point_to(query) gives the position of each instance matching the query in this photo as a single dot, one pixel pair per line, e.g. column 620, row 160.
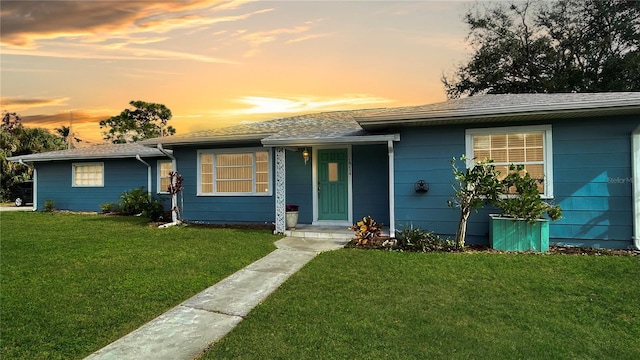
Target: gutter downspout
column 174, row 197
column 35, row 184
column 162, row 150
column 635, row 185
column 148, row 173
column 392, row 196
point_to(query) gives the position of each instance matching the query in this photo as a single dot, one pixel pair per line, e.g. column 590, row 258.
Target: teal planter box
column 509, row 234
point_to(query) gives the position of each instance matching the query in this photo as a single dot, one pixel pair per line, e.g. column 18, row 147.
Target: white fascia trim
column 635, row 185
column 81, row 158
column 213, row 140
column 547, row 146
column 331, row 141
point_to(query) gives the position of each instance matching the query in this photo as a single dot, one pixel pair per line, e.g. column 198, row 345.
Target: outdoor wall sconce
column 305, row 155
column 421, row 186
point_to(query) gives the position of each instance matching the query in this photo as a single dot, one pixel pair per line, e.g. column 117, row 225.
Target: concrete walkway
column 187, row 330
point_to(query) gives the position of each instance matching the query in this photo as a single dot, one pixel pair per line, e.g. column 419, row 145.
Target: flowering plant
column 292, row 207
column 366, row 230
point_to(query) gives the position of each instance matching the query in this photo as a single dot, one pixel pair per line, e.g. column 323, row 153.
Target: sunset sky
column 218, row 63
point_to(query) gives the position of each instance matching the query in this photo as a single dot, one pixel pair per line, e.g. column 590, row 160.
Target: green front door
column 333, row 184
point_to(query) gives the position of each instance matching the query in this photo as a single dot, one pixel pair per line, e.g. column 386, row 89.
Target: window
column 522, row 145
column 234, row 172
column 164, row 168
column 87, row 174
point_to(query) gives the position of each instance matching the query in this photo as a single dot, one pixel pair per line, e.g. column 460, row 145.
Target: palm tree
column 64, row 132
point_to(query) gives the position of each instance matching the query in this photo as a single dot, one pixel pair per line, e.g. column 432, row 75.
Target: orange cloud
column 88, row 51
column 20, row 104
column 84, row 123
column 24, row 23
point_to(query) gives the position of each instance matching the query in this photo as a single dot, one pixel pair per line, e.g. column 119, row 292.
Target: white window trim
column 252, row 150
column 159, row 175
column 73, row 173
column 547, row 147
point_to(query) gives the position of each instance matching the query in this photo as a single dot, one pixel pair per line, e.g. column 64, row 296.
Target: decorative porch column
column 280, row 191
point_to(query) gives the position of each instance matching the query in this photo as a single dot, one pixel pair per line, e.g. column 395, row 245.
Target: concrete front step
column 311, row 244
column 322, row 232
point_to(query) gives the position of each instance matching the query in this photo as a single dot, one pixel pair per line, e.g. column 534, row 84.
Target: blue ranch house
column 391, row 163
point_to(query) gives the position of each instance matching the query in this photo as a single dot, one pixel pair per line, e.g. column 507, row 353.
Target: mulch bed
column 565, row 250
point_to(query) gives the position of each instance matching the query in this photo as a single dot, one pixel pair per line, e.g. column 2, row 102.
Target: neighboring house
column 83, row 178
column 586, row 147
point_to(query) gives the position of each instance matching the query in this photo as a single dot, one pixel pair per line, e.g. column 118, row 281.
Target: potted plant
column 291, row 217
column 522, row 226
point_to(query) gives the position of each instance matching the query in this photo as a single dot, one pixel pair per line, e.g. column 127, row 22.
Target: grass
column 354, row 304
column 71, row 284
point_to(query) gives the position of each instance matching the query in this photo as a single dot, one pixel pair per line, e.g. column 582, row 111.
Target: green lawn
column 354, row 304
column 71, row 284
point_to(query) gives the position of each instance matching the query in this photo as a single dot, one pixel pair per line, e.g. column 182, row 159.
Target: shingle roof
column 358, row 125
column 505, row 107
column 310, row 127
column 106, row 151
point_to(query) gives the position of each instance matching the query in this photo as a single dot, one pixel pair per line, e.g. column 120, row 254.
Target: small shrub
column 409, row 236
column 474, row 186
column 108, row 207
column 49, row 206
column 524, row 200
column 133, row 202
column 138, row 201
column 367, row 233
column 154, row 210
column 416, row 239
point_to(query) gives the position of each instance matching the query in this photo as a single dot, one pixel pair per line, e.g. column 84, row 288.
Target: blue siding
column 298, row 183
column 120, row 175
column 424, row 154
column 592, row 172
column 371, row 182
column 218, row 209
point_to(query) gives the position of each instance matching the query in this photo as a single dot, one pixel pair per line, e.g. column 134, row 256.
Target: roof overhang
column 32, row 159
column 501, row 114
column 169, row 142
column 364, row 139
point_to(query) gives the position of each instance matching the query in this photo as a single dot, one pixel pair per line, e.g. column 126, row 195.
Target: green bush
column 138, row 201
column 108, row 207
column 419, row 240
column 523, row 200
column 133, row 202
column 49, row 206
column 154, row 211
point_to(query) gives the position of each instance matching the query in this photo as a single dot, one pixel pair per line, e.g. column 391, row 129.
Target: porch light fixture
column 305, row 155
